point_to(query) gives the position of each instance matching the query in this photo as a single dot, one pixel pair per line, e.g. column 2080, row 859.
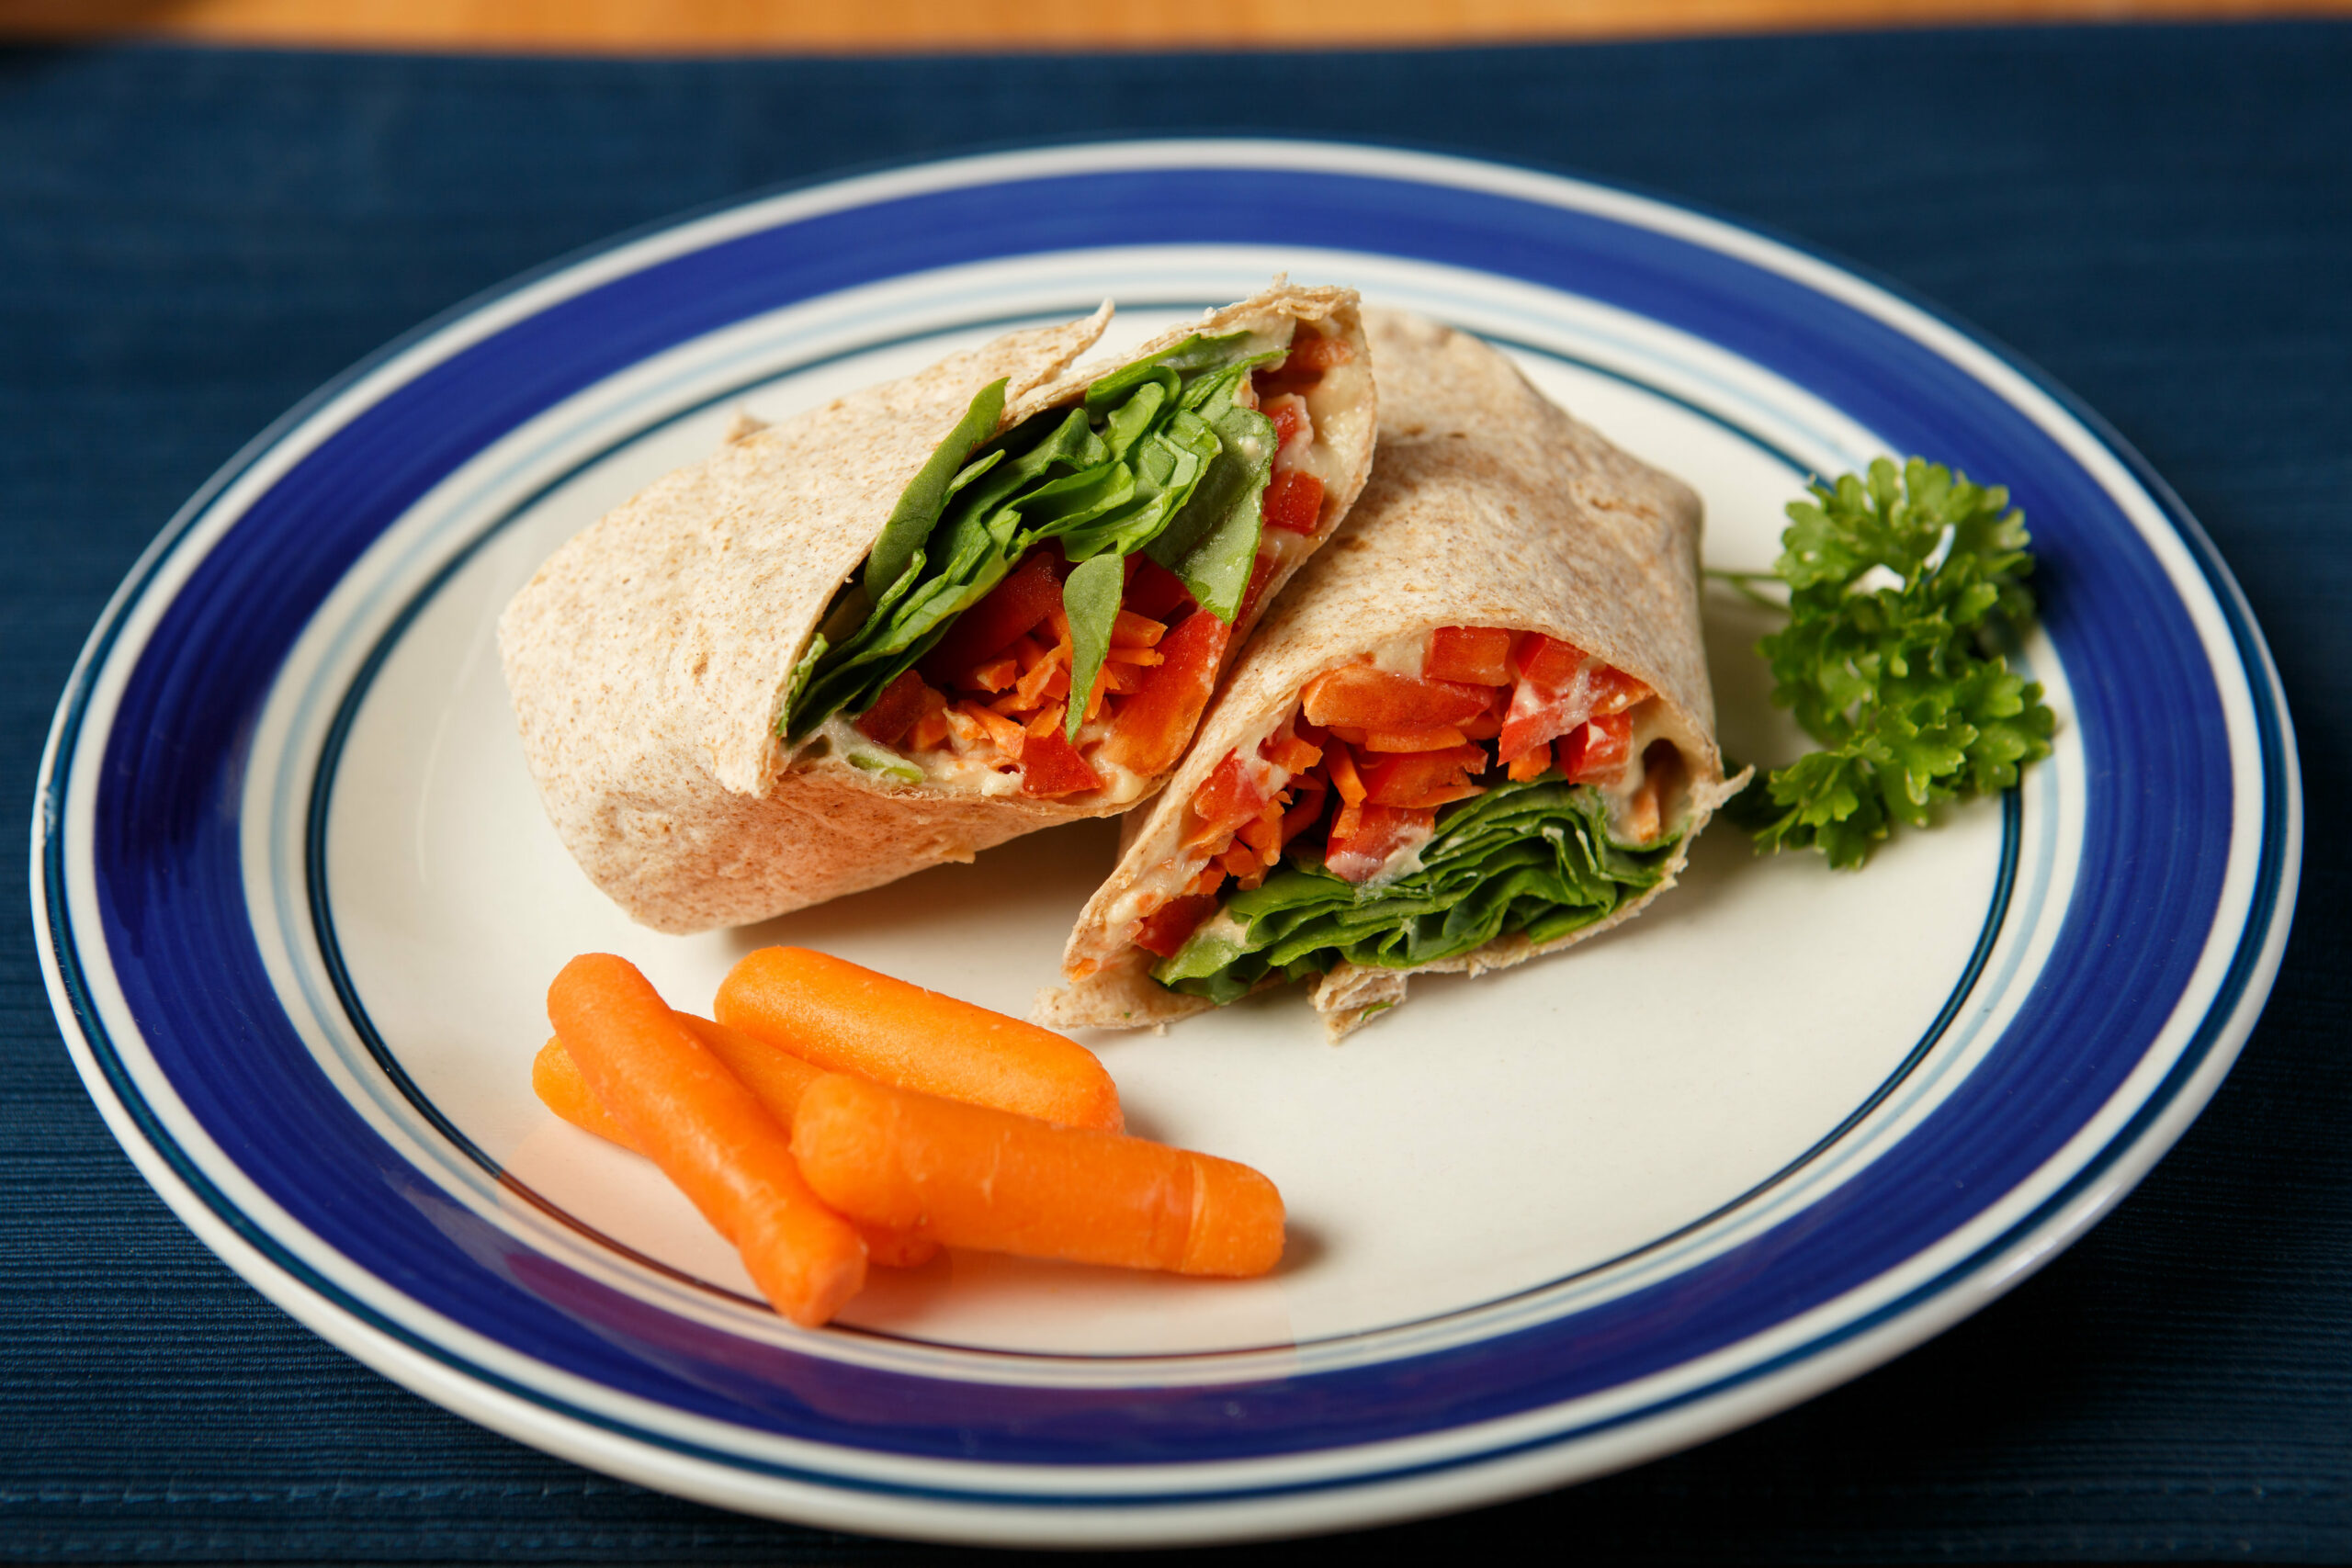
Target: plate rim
column 1989, row 1271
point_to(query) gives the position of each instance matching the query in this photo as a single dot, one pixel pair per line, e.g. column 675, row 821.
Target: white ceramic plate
column 300, row 903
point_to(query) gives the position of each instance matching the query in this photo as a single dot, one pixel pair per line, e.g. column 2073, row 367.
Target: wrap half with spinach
column 933, row 614
column 1476, row 729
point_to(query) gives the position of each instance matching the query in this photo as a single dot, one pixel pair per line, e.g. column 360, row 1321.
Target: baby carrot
column 767, row 1072
column 981, row 1178
column 555, row 1078
column 850, row 1019
column 707, row 1132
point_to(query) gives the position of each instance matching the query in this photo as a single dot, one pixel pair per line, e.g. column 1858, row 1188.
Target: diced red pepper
column 1311, row 353
column 1261, row 571
column 1422, row 779
column 1371, row 698
column 1166, row 928
column 1547, row 704
column 895, row 711
column 1364, row 838
column 1596, row 752
column 1613, row 691
column 1546, row 662
column 1229, row 797
column 1293, row 425
column 1153, row 725
column 1550, row 699
column 1478, row 656
column 1294, row 500
column 1050, row 766
column 1153, row 590
column 1030, row 593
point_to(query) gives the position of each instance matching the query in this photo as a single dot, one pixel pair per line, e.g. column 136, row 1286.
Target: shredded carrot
column 1291, row 754
column 1122, row 678
column 1049, row 677
column 1343, row 769
column 1264, row 833
column 1526, row 767
column 1206, row 881
column 1131, row 631
column 995, row 675
column 981, row 1179
column 1435, row 738
column 1305, row 813
column 709, row 1134
column 1006, row 735
column 1141, row 657
column 846, row 1017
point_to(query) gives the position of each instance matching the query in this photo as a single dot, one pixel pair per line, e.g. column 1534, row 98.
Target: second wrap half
column 1494, row 676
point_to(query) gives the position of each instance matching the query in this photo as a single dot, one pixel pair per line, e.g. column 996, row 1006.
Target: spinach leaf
column 1212, row 543
column 1091, row 598
column 920, row 503
column 1531, row 856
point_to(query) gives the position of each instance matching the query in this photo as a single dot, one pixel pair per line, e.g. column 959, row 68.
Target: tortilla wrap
column 1489, row 506
column 651, row 659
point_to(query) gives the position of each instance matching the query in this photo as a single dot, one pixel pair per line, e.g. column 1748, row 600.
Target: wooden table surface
column 697, row 26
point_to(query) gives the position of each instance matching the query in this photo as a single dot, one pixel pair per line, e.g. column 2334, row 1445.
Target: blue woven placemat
column 189, row 241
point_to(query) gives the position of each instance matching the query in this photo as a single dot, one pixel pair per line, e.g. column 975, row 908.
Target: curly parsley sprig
column 1897, row 583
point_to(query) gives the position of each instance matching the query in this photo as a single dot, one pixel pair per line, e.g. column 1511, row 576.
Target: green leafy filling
column 1533, row 856
column 1159, row 458
column 1899, row 683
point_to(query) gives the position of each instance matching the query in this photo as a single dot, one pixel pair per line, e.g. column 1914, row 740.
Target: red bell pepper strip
column 1167, row 929
column 1364, row 838
column 1153, row 725
column 1153, row 590
column 1369, row 698
column 1228, row 798
column 895, row 711
column 1014, row 607
column 1596, row 752
column 1050, row 765
column 1294, row 500
column 1422, row 779
column 1477, row 656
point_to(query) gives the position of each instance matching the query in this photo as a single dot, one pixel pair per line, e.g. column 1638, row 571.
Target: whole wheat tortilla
column 651, row 657
column 1488, row 506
